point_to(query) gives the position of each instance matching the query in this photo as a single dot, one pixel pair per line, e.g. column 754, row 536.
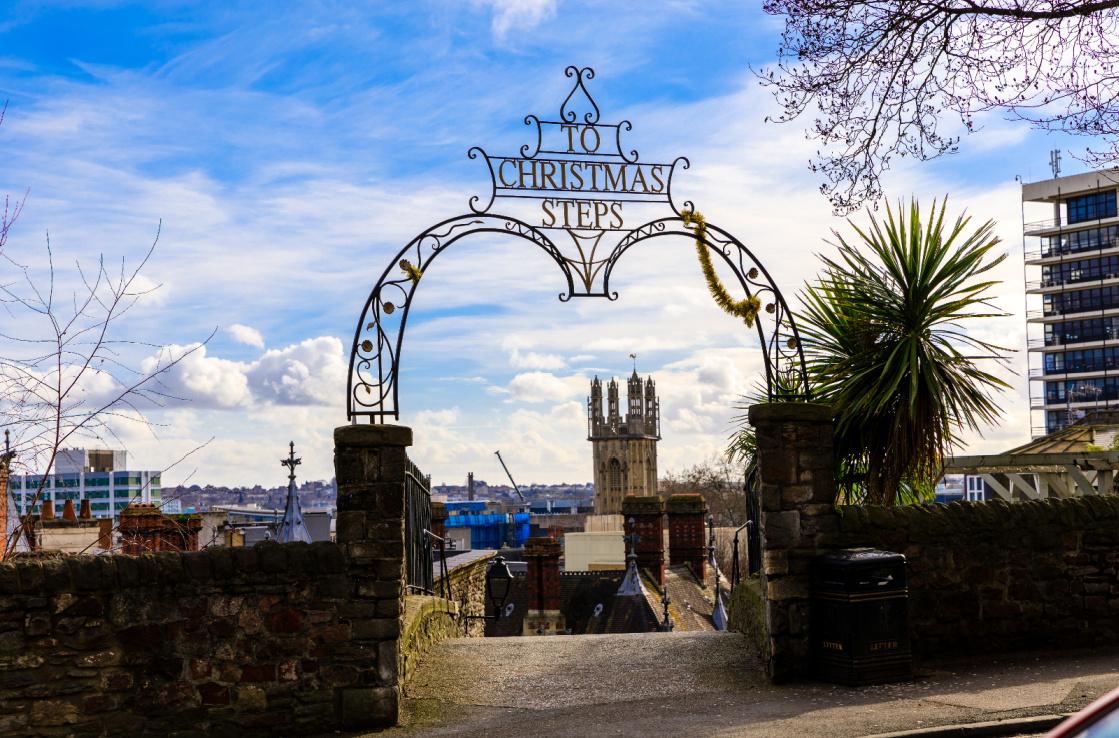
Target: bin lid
column 872, row 556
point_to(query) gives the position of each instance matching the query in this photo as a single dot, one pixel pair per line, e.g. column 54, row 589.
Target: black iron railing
column 417, row 524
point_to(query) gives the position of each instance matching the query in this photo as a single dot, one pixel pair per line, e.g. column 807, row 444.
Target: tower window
column 614, row 473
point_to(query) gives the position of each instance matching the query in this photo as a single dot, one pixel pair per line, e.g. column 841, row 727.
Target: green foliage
column 882, row 336
column 1113, row 447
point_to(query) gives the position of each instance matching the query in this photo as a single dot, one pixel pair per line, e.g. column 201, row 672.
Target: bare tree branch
column 882, row 74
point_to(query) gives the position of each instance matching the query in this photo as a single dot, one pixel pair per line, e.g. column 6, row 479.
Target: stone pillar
column 687, row 542
column 796, row 468
column 371, row 465
column 542, row 579
column 648, row 524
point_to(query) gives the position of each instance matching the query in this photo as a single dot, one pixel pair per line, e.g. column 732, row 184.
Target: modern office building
column 1072, row 288
column 102, row 477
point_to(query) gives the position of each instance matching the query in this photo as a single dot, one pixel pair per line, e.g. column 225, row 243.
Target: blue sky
column 291, row 149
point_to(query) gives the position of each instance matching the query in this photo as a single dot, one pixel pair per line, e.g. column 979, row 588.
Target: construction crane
column 518, row 489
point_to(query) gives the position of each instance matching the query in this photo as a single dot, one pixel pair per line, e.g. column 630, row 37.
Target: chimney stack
column 86, row 513
column 68, row 511
column 686, row 543
column 439, row 517
column 648, row 524
column 46, row 505
column 543, row 580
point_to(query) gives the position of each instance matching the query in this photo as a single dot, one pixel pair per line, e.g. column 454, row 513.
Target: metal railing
column 1052, row 252
column 1063, row 221
column 418, row 557
column 1088, row 310
column 1042, row 283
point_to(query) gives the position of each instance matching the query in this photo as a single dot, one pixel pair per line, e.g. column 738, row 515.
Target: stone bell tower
column 625, row 449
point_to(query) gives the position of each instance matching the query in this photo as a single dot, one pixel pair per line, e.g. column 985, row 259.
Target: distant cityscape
column 323, row 493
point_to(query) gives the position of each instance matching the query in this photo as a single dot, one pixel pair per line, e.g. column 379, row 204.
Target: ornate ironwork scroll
column 589, row 192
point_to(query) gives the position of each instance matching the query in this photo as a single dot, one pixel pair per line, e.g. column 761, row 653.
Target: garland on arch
column 748, row 308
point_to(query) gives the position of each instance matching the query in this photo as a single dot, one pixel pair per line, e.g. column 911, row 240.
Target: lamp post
column 718, row 614
column 498, row 579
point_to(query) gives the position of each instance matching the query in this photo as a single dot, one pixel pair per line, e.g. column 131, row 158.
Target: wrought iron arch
column 373, row 388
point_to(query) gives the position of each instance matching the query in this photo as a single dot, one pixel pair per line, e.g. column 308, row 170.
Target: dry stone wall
column 998, row 576
column 984, row 577
column 216, row 642
column 292, row 639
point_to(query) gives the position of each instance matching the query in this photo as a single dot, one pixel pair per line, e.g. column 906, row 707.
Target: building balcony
column 1056, row 225
column 1048, row 255
column 1080, row 370
column 1046, row 402
column 1039, row 286
column 1055, row 316
column 1056, row 342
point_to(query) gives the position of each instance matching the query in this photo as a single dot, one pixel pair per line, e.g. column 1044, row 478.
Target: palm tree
column 882, row 335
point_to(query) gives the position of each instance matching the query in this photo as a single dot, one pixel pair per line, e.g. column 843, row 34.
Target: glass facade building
column 1072, row 288
column 97, row 476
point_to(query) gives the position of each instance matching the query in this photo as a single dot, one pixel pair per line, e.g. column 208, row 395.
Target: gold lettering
column 547, row 172
column 531, row 170
column 883, row 645
column 548, row 212
column 616, row 210
column 566, row 219
column 612, row 182
column 577, row 173
column 570, row 137
column 501, row 172
column 639, row 176
column 583, row 139
column 594, row 173
column 579, row 209
column 600, row 209
column 656, row 173
column 563, row 175
column 833, row 646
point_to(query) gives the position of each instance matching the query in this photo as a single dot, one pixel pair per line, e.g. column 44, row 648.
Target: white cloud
column 542, row 387
column 521, row 15
column 246, row 335
column 307, row 373
column 533, row 360
column 204, row 381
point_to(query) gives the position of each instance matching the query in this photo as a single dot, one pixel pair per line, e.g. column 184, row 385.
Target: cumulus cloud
column 246, row 335
column 207, row 381
column 307, row 373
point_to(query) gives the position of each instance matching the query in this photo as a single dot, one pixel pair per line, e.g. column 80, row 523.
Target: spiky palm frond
column 883, row 337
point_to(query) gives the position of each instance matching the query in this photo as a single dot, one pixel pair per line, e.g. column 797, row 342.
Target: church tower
column 625, row 449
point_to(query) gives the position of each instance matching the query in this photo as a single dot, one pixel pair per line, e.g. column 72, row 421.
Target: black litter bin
column 860, row 617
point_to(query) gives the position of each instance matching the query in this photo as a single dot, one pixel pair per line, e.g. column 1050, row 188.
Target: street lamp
column 498, row 579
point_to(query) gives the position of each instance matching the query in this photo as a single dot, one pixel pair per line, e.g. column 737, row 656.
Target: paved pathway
column 710, row 684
